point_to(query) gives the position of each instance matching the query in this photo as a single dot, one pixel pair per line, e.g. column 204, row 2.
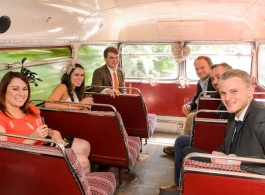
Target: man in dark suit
column 105, row 75
column 245, row 130
column 202, row 66
column 183, row 141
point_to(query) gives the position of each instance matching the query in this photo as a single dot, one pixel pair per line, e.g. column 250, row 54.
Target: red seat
column 202, row 178
column 133, row 111
column 30, row 169
column 105, row 132
column 208, row 134
column 207, row 103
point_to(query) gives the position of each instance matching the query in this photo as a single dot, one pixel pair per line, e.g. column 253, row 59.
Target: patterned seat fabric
column 78, row 170
column 199, row 164
column 134, row 144
column 32, row 147
column 152, row 123
column 92, row 183
column 101, row 183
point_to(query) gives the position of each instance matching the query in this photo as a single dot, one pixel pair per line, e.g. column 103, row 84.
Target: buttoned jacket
column 251, row 138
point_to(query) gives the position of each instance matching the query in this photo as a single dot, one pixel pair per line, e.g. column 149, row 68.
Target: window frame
column 143, row 79
column 252, row 44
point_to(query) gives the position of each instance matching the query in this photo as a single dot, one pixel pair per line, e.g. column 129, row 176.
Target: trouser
column 189, row 123
column 182, row 144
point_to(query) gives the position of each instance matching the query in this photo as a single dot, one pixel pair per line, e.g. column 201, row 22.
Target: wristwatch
column 229, row 162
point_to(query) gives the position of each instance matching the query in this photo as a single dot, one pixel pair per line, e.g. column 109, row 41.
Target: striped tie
column 116, row 83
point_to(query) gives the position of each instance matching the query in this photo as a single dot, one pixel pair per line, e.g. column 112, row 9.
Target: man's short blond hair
column 237, row 73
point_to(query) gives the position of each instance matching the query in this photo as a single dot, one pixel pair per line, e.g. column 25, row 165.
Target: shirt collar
column 111, row 71
column 205, row 81
column 241, row 117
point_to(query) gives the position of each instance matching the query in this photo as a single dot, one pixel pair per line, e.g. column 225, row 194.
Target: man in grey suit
column 104, row 76
column 245, row 130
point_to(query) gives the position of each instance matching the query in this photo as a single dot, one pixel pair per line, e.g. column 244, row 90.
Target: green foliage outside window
column 149, row 61
column 38, row 54
column 38, row 62
column 50, row 76
column 92, row 58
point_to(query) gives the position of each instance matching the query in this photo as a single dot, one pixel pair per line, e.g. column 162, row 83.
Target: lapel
column 108, row 74
column 210, row 86
column 119, row 75
column 233, row 124
column 199, row 88
column 248, row 111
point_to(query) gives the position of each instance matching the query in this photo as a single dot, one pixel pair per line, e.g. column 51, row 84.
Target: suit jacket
column 251, row 139
column 102, row 77
column 192, row 103
column 222, row 115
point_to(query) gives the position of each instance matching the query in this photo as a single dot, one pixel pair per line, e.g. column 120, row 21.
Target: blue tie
column 235, row 137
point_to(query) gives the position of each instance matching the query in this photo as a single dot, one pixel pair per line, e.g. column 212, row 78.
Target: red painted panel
column 259, row 89
column 206, row 184
column 165, row 99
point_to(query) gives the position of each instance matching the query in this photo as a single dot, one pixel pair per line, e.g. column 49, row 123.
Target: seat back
column 29, row 169
column 208, row 103
column 132, row 109
column 208, row 134
column 205, row 178
column 259, row 96
column 103, row 130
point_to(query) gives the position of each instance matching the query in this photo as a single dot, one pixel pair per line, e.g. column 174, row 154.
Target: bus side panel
column 165, row 99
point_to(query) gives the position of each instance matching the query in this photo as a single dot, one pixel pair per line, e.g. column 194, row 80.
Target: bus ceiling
column 132, row 20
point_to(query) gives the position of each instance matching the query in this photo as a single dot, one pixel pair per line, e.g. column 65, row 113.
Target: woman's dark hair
column 3, row 87
column 80, row 91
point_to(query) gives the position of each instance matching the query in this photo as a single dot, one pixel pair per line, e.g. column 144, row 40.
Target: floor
column 146, row 177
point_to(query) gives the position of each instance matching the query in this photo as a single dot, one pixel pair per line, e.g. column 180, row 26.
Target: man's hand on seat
column 113, row 92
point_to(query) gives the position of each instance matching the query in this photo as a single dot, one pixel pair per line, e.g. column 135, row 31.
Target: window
column 92, row 58
column 261, row 65
column 33, row 54
column 238, row 56
column 49, row 71
column 149, row 61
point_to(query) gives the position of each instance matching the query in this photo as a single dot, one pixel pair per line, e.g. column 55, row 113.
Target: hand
column 40, row 132
column 87, row 100
column 113, row 92
column 186, row 109
column 56, row 136
column 218, row 160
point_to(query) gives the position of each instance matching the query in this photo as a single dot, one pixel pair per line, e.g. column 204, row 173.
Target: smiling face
column 112, row 60
column 77, row 77
column 236, row 94
column 16, row 93
column 215, row 76
column 202, row 68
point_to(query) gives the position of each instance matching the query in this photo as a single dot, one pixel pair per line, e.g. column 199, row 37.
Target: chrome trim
column 219, row 172
column 207, row 92
column 74, row 103
column 100, row 86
